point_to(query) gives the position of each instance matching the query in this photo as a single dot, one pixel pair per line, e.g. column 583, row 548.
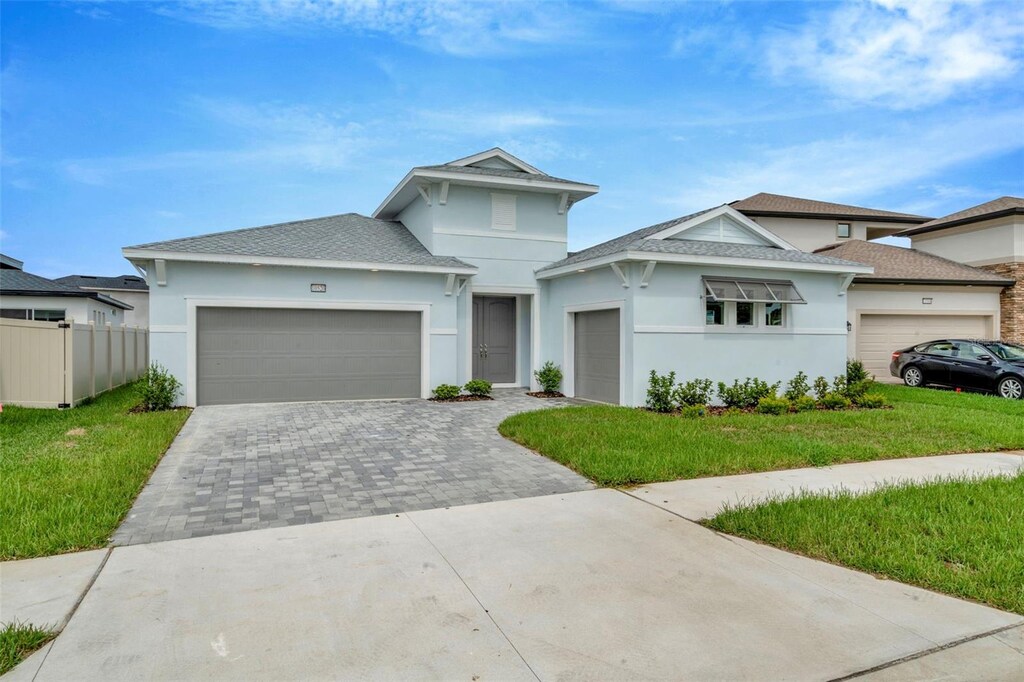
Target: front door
column 494, row 339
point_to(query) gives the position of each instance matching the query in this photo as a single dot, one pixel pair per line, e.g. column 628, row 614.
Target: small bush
column 872, row 401
column 693, row 411
column 839, row 384
column 854, row 391
column 835, row 401
column 659, row 391
column 695, row 392
column 478, row 387
column 855, row 372
column 804, row 403
column 447, row 392
column 746, row 394
column 821, row 388
column 769, row 405
column 549, row 377
column 797, row 387
column 158, row 388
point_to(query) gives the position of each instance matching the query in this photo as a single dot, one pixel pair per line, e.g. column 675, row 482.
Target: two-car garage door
column 257, row 355
column 880, row 335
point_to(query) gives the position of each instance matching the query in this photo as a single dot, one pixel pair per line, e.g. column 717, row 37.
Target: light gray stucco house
column 462, row 272
column 24, row 296
column 130, row 289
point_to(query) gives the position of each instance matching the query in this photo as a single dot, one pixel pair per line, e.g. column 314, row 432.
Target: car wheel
column 912, row 377
column 1011, row 387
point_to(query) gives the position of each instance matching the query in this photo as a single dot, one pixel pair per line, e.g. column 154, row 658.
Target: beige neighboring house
column 810, row 225
column 24, row 296
column 989, row 236
column 912, row 297
column 131, row 289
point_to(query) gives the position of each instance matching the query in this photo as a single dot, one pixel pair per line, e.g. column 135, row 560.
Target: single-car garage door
column 260, row 355
column 596, row 363
column 880, row 335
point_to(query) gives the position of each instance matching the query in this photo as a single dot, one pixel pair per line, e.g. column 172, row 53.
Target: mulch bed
column 462, row 399
column 545, row 394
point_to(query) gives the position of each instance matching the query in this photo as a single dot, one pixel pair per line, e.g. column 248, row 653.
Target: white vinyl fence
column 59, row 364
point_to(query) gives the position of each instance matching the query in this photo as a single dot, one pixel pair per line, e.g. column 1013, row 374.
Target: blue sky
column 126, row 123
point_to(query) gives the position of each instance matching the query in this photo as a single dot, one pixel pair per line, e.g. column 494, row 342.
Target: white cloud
column 485, row 123
column 459, row 27
column 902, row 53
column 854, row 168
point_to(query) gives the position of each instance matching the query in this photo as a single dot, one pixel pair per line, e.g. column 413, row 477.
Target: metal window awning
column 751, row 290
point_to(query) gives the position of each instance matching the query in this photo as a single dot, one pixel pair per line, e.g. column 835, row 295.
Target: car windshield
column 1007, row 351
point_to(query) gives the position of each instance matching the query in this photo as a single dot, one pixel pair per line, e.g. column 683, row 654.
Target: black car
column 973, row 364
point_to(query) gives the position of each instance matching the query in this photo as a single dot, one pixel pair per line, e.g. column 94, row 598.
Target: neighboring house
column 912, row 297
column 462, row 272
column 24, row 296
column 130, row 289
column 989, row 236
column 810, row 225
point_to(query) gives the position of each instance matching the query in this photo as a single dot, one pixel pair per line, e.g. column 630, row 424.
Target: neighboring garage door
column 596, row 364
column 880, row 335
column 262, row 355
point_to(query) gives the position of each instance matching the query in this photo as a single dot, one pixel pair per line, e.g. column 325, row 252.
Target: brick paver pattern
column 242, row 467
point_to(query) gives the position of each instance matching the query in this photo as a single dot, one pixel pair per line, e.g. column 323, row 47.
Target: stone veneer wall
column 1011, row 301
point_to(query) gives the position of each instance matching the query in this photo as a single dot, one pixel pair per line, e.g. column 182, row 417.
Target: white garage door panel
column 880, row 335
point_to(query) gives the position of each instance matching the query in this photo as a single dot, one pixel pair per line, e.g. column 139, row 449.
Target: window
column 1008, row 351
column 972, row 351
column 843, row 230
column 943, row 348
column 48, row 315
column 773, row 314
column 715, row 312
column 15, row 314
column 744, row 314
column 503, row 211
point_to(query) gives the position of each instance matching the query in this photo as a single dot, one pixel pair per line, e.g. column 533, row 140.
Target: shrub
column 659, row 391
column 804, row 403
column 839, row 385
column 872, row 401
column 857, row 389
column 797, row 387
column 855, row 372
column 746, row 394
column 835, row 401
column 693, row 411
column 158, row 388
column 821, row 388
column 447, row 392
column 478, row 387
column 549, row 377
column 770, row 405
column 696, row 392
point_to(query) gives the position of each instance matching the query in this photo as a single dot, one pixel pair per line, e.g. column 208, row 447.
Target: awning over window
column 752, row 290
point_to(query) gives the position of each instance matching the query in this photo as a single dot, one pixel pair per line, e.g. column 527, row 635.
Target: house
column 462, row 272
column 24, row 296
column 130, row 289
column 988, row 236
column 913, row 297
column 810, row 224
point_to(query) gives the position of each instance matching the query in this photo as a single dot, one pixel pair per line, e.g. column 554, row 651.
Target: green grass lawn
column 68, row 477
column 625, row 446
column 18, row 641
column 961, row 537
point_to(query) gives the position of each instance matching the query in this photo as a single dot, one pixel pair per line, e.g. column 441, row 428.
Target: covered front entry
column 597, row 355
column 264, row 355
column 494, row 339
column 879, row 335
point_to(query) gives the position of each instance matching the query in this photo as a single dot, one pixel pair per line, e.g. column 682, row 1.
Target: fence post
column 92, row 358
column 124, row 355
column 69, row 362
column 110, row 355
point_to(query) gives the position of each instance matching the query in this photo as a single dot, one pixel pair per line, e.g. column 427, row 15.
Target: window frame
column 849, row 230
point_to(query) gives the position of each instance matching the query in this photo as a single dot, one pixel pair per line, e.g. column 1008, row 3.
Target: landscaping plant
column 746, row 394
column 478, row 387
column 549, row 376
column 804, row 403
column 797, row 387
column 659, row 392
column 696, row 392
column 692, row 411
column 871, row 401
column 446, row 392
column 835, row 401
column 855, row 372
column 770, row 405
column 157, row 389
column 821, row 388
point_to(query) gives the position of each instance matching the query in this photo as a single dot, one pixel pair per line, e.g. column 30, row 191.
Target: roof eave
column 935, row 281
column 834, row 216
column 70, row 294
column 236, row 259
column 1016, row 210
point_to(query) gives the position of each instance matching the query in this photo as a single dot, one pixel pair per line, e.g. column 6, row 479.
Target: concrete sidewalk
column 43, row 592
column 702, row 498
column 587, row 585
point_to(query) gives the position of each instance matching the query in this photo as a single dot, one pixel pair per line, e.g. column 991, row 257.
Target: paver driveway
column 241, row 467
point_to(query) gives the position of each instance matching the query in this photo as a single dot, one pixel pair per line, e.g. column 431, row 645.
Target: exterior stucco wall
column 808, row 234
column 985, row 243
column 139, row 300
column 290, row 287
column 419, row 219
column 80, row 309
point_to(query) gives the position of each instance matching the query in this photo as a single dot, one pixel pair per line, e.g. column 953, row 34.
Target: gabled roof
column 347, row 238
column 997, row 208
column 21, row 283
column 765, row 204
column 8, row 263
column 495, row 154
column 125, row 282
column 643, row 241
column 895, row 264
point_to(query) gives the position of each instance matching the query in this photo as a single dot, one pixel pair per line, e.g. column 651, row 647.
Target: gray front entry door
column 597, row 356
column 263, row 355
column 494, row 339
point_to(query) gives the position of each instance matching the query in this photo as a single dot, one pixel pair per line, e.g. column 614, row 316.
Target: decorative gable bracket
column 424, row 191
column 844, row 283
column 621, row 275
column 563, row 203
column 645, row 278
column 443, row 199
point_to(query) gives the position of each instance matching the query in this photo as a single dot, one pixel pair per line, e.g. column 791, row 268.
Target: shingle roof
column 898, row 264
column 347, row 237
column 990, row 209
column 128, row 282
column 639, row 240
column 778, row 204
column 499, row 172
column 19, row 282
